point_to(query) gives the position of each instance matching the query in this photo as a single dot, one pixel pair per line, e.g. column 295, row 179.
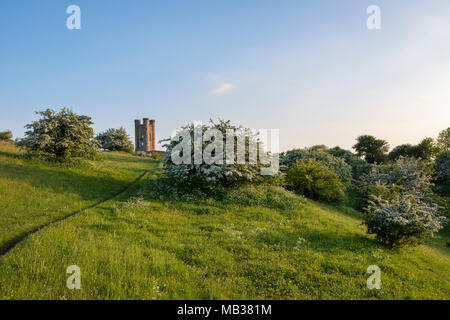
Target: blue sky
column 309, row 68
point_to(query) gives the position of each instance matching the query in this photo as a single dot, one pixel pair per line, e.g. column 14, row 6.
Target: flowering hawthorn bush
column 213, row 174
column 115, row 140
column 62, row 135
column 400, row 205
column 402, row 220
column 405, row 176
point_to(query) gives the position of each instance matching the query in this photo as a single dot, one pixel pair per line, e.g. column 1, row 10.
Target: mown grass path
column 35, row 193
column 5, row 248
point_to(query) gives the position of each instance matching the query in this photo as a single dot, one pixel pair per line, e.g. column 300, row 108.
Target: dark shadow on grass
column 88, row 187
column 122, row 158
column 12, row 155
column 160, row 188
column 341, row 208
column 441, row 241
column 11, row 244
column 327, row 242
column 128, row 158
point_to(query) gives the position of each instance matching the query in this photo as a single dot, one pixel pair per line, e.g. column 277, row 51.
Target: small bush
column 402, row 220
column 115, row 140
column 404, row 150
column 63, row 135
column 6, row 136
column 337, row 164
column 315, row 180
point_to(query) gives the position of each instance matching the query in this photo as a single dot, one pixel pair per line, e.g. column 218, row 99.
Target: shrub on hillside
column 359, row 168
column 401, row 207
column 442, row 167
column 402, row 220
column 63, row 135
column 115, row 140
column 315, row 180
column 6, row 136
column 211, row 174
column 405, row 176
column 338, row 165
column 425, row 150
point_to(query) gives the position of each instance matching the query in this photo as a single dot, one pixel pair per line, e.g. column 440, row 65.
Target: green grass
column 254, row 243
column 35, row 192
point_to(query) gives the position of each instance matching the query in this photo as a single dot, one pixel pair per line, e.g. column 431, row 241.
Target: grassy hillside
column 261, row 243
column 35, row 192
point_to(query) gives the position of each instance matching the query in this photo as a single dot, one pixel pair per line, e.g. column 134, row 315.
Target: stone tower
column 145, row 135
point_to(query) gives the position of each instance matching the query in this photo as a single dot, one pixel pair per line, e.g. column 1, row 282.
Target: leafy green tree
column 6, row 135
column 372, row 149
column 403, row 150
column 442, row 167
column 115, row 140
column 426, row 149
column 443, row 140
column 63, row 135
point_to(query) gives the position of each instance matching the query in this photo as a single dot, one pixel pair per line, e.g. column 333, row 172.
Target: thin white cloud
column 223, row 88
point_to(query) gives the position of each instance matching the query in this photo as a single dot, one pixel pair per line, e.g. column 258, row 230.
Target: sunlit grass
column 256, row 243
column 34, row 192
